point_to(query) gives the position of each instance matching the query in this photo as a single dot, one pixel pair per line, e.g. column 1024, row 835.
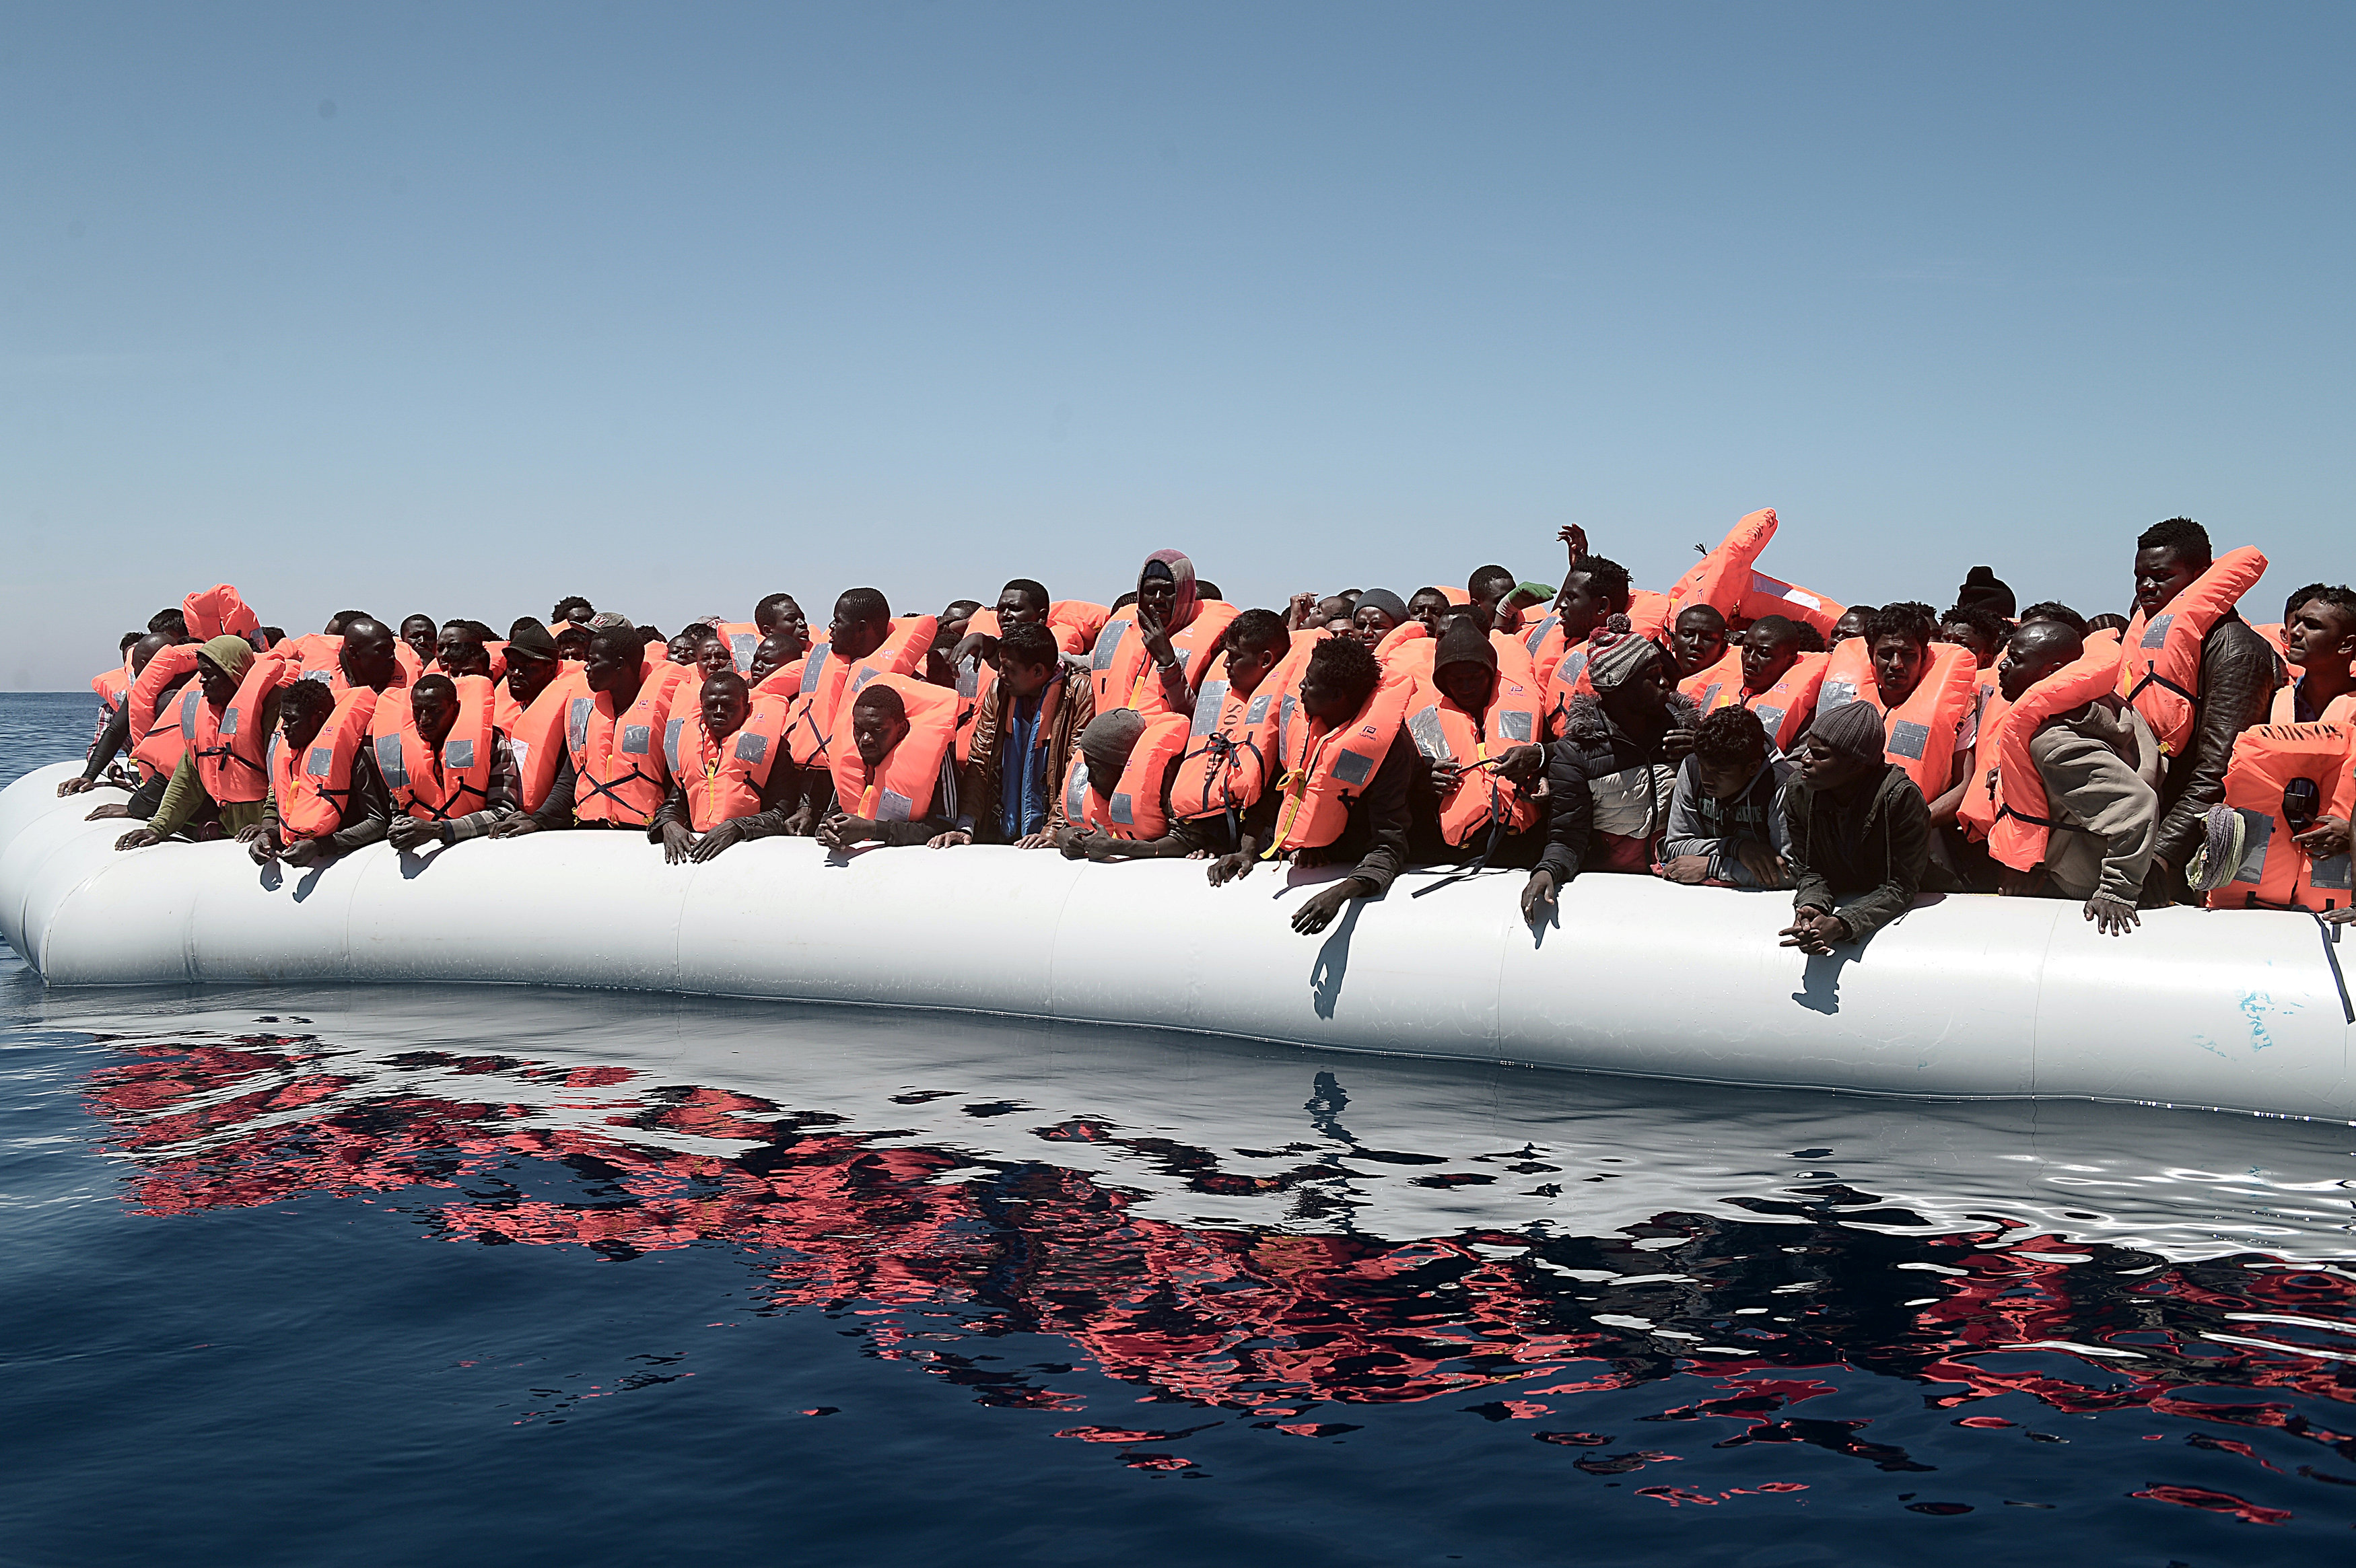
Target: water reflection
column 939, row 1223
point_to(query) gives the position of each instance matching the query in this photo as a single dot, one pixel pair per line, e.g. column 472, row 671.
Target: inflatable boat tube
column 1969, row 996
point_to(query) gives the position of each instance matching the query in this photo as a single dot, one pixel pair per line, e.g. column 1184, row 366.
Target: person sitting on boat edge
column 223, row 774
column 1608, row 776
column 325, row 798
column 1494, row 754
column 1858, row 834
column 897, row 782
column 448, row 770
column 2098, row 765
column 728, row 781
column 613, row 738
column 1025, row 735
column 1726, row 818
column 1338, row 784
column 115, row 736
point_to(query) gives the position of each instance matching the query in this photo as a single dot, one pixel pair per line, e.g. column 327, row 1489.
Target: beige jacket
column 2102, row 767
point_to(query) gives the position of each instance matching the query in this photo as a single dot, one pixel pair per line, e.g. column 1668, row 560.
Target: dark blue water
column 373, row 1276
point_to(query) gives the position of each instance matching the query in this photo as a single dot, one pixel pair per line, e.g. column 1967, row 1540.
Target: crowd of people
column 1735, row 731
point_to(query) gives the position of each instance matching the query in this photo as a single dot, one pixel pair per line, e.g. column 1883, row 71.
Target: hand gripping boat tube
column 1974, row 997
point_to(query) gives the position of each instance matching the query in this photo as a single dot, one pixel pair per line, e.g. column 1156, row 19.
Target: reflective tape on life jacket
column 231, row 746
column 724, row 779
column 1483, row 799
column 618, row 774
column 1133, row 810
column 1125, row 674
column 535, row 733
column 1790, row 705
column 744, row 640
column 2274, row 871
column 902, row 790
column 819, row 710
column 1715, row 685
column 1566, row 681
column 2161, row 672
column 437, row 787
column 1224, row 765
column 2021, row 824
column 1919, row 735
column 1322, row 773
column 313, row 791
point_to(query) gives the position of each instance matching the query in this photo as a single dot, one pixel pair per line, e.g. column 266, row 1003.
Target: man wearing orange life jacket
column 1593, row 591
column 1852, row 623
column 420, row 639
column 730, row 783
column 446, row 765
column 111, row 684
column 1154, row 662
column 613, row 733
column 1474, row 732
column 949, row 629
column 321, row 803
column 2237, row 672
column 1611, row 774
column 228, row 716
column 115, row 736
column 775, row 613
column 1697, row 640
column 1928, row 694
column 1338, row 787
column 1981, row 631
column 1378, row 611
column 1024, row 740
column 862, row 629
column 2319, row 640
column 777, row 662
column 2097, row 766
column 880, row 725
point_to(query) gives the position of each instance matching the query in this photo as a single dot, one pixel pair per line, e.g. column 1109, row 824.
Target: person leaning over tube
column 1726, row 818
column 433, row 711
column 221, row 665
column 114, row 737
column 1026, row 736
column 721, row 765
column 1859, row 833
column 337, row 822
column 880, row 725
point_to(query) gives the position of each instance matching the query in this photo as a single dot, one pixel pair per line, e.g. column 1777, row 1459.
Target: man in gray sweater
column 2101, row 765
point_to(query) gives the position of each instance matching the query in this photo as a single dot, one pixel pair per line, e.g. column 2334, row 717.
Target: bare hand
column 1302, row 611
column 409, row 833
column 1573, row 538
column 1446, row 776
column 1041, row 840
column 1762, row 863
column 75, row 786
column 802, row 822
column 729, row 832
column 309, row 852
column 1537, row 896
column 2329, row 836
column 1524, row 763
column 1689, row 869
column 1317, row 912
column 2111, row 917
column 841, row 830
column 263, row 847
column 1676, row 744
column 108, row 812
column 516, row 826
column 678, row 838
column 138, row 838
column 251, row 832
column 1228, row 867
column 1814, row 933
column 954, row 839
column 977, row 646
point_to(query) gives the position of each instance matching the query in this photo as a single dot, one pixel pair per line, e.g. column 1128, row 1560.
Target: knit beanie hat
column 1853, row 729
column 1463, row 642
column 1383, row 599
column 1983, row 588
column 1111, row 737
column 1620, row 661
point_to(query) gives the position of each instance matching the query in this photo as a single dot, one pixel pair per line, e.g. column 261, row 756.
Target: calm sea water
column 514, row 1276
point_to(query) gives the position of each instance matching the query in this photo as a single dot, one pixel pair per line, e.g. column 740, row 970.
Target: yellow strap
column 1295, row 785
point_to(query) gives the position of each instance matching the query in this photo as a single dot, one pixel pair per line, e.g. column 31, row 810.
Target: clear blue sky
column 459, row 307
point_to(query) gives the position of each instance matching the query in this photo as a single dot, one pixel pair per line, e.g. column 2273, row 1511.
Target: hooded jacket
column 1868, row 844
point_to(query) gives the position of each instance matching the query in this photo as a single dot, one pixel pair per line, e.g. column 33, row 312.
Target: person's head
column 2300, row 596
column 1334, row 610
column 2168, row 556
column 949, row 625
column 123, row 644
column 573, row 640
column 726, row 701
column 1256, row 642
column 1464, row 665
column 1899, row 638
column 572, row 607
column 1489, row 586
column 1123, row 603
column 422, row 635
column 1028, row 657
column 684, row 645
column 1633, row 679
column 1852, row 623
column 861, row 623
column 1208, row 591
column 1021, row 601
column 774, row 653
column 1106, row 744
column 713, row 656
column 2322, row 630
column 1729, row 748
column 302, row 709
column 1378, row 611
column 434, row 704
column 1698, row 639
column 652, row 636
column 1844, row 745
column 879, row 722
column 2106, row 622
column 219, row 670
column 1592, row 592
column 1982, row 588
column 1166, row 589
column 149, row 645
column 775, row 611
column 532, row 659
column 1432, row 607
column 615, row 661
column 342, row 618
column 1340, row 678
column 2038, row 648
column 1981, row 630
column 1768, row 648
column 171, row 623
column 460, row 648
column 367, row 656
column 2054, row 610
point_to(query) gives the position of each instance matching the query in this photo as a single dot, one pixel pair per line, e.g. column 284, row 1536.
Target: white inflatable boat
column 1972, row 996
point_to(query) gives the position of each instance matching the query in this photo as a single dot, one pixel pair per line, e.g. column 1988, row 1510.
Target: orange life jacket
column 1543, row 642
column 975, row 678
column 1650, row 614
column 231, row 747
column 1719, row 578
column 318, row 653
column 110, row 687
column 725, row 779
column 2340, row 709
column 1920, row 733
column 819, row 709
column 1483, row 799
column 902, row 791
column 313, row 790
column 1321, row 772
column 2274, row 871
column 2161, row 673
column 2019, row 827
column 1077, row 623
column 1125, row 676
column 1788, row 707
column 1134, row 810
column 1224, row 765
column 785, row 681
column 213, row 612
column 1714, row 686
column 535, row 733
column 2276, row 633
column 147, row 694
column 1567, row 680
column 409, row 665
column 431, row 787
column 744, row 640
column 619, row 774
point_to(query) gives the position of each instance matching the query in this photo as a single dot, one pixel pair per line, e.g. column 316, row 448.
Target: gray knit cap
column 1852, row 729
column 1110, row 737
column 1609, row 668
